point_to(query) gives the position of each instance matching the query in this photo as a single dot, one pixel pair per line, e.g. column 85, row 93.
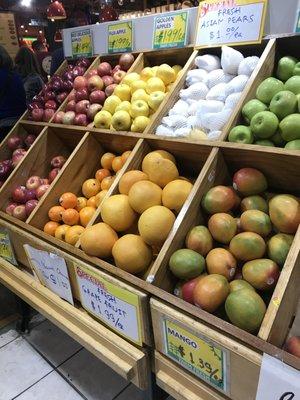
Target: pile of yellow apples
column 136, row 98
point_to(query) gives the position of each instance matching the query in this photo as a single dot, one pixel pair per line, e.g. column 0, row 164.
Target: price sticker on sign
column 120, row 37
column 230, row 22
column 170, row 30
column 82, row 43
column 117, row 307
column 197, row 354
column 6, row 250
column 277, row 381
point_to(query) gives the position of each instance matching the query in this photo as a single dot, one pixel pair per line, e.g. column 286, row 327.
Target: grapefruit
column 143, row 195
column 117, row 213
column 175, row 194
column 98, row 240
column 129, row 178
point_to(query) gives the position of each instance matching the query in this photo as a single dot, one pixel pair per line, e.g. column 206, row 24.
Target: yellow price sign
column 170, row 30
column 6, row 250
column 82, row 43
column 197, row 354
column 120, row 37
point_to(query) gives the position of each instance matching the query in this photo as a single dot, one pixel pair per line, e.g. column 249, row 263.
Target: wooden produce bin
column 282, row 46
column 261, row 50
column 50, row 143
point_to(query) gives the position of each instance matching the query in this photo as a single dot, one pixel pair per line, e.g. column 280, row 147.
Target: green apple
column 265, row 143
column 298, row 98
column 293, row 145
column 290, row 127
column 241, row 134
column 284, row 103
column 264, row 124
column 293, row 84
column 277, row 139
column 251, row 108
column 268, row 88
column 297, row 69
column 285, row 68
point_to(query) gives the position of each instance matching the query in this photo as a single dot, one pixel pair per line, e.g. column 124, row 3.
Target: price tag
column 230, row 22
column 82, row 43
column 51, row 270
column 197, row 354
column 120, row 37
column 117, row 307
column 6, row 250
column 170, row 31
column 277, row 381
column 297, row 27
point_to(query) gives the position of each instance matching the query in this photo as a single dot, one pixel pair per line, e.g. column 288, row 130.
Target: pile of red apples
column 91, row 90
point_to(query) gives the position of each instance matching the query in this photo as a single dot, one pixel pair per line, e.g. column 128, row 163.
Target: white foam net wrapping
column 181, row 107
column 236, row 85
column 197, row 91
column 218, row 92
column 162, row 130
column 232, row 100
column 247, row 65
column 230, row 60
column 196, row 75
column 217, row 76
column 208, row 62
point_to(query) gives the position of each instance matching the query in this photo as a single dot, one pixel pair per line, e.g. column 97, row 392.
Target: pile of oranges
column 69, row 219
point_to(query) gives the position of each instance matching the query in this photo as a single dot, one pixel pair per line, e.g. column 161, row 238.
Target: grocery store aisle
column 47, row 364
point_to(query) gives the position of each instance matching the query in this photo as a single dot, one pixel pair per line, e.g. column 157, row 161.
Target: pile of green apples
column 273, row 118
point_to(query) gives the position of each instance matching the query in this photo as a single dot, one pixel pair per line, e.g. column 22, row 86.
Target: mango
column 186, row 264
column 211, row 292
column 247, row 246
column 245, row 309
column 278, row 247
column 262, row 273
column 199, row 239
column 254, row 203
column 239, row 284
column 222, row 227
column 221, row 261
column 219, row 199
column 256, row 221
column 284, row 210
column 249, row 181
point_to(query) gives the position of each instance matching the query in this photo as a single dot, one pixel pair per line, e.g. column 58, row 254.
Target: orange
column 117, row 163
column 125, row 155
column 106, row 160
column 55, row 213
column 70, row 217
column 61, row 231
column 51, row 227
column 81, row 202
column 90, row 188
column 92, row 202
column 73, row 234
column 68, row 200
column 107, row 182
column 99, row 197
column 86, row 215
column 101, row 174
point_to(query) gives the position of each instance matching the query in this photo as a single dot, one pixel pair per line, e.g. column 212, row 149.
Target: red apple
column 58, row 117
column 71, row 105
column 107, row 80
column 58, row 161
column 20, row 212
column 92, row 111
column 15, row 142
column 19, row 194
column 5, row 169
column 37, row 114
column 81, row 94
column 69, row 118
column 10, row 208
column 30, row 206
column 104, row 68
column 41, row 190
column 19, row 152
column 30, row 194
column 29, row 140
column 45, row 181
column 117, row 68
column 82, row 107
column 97, row 96
column 110, row 89
column 67, row 86
column 118, row 76
column 16, row 159
column 92, row 72
column 126, row 60
column 72, row 95
column 61, row 97
column 81, row 120
column 35, row 105
column 78, row 71
column 95, row 83
column 83, row 62
column 50, row 95
column 80, row 82
column 33, row 182
column 293, row 345
column 51, row 104
column 48, row 114
column 53, row 174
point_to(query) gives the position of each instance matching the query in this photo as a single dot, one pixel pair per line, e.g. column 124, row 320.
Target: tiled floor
column 47, row 364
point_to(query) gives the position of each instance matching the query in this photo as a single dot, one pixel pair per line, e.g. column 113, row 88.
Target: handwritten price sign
column 230, row 22
column 120, row 37
column 82, row 43
column 197, row 354
column 6, row 250
column 170, row 31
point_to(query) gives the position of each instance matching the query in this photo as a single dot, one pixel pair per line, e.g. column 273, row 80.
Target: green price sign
column 82, row 43
column 170, row 31
column 6, row 250
column 120, row 37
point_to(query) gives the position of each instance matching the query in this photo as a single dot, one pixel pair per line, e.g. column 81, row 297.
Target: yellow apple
column 177, row 69
column 130, row 78
column 166, row 74
column 139, row 108
column 138, row 85
column 154, row 69
column 124, row 106
column 139, row 124
column 169, row 87
column 155, row 85
column 121, row 121
column 123, row 91
column 111, row 103
column 102, row 119
column 147, row 73
column 155, row 99
column 139, row 94
column 111, row 128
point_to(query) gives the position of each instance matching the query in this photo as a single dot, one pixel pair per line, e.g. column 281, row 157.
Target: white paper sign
column 52, row 271
column 277, row 381
column 230, row 22
column 114, row 305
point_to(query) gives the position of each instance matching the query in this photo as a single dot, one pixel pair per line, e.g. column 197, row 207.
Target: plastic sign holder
column 170, row 30
column 82, row 43
column 120, row 37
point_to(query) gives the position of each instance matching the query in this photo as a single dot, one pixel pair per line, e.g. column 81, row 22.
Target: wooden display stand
column 208, row 164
